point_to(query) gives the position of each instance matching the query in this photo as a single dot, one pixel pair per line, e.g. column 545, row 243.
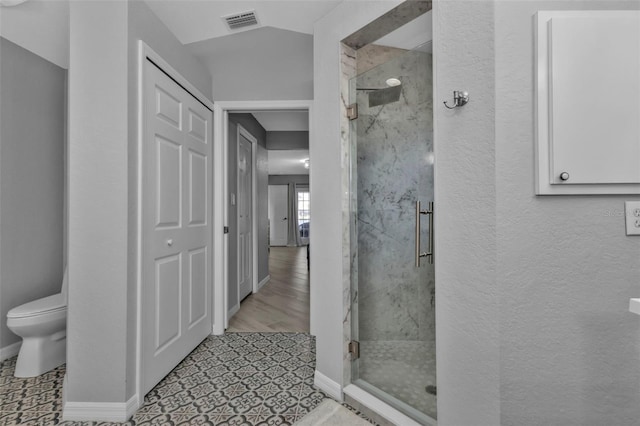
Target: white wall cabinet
column 588, row 102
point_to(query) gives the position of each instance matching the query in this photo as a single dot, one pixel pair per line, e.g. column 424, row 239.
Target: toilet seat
column 46, row 305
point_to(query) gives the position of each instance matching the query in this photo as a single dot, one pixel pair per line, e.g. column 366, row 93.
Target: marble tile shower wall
column 393, row 171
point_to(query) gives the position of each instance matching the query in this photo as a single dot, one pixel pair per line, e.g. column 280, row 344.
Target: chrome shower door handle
column 430, row 212
column 418, row 254
column 428, row 254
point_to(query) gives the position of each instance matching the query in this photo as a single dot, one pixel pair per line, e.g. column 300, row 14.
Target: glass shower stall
column 392, row 272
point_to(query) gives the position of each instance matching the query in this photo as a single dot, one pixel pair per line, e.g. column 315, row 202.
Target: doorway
column 278, row 219
column 269, row 261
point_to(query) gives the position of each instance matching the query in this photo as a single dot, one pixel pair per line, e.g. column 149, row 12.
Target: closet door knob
column 564, row 176
column 169, row 242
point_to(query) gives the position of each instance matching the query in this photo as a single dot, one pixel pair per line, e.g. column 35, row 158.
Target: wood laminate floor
column 283, row 303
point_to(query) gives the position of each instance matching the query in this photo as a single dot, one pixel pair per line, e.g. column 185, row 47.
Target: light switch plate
column 632, row 217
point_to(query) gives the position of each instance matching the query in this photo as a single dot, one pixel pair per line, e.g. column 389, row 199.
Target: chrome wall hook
column 459, row 99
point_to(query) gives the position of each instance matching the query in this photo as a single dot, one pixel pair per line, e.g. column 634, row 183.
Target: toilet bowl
column 42, row 324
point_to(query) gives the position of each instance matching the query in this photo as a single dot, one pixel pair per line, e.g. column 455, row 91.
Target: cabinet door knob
column 564, row 176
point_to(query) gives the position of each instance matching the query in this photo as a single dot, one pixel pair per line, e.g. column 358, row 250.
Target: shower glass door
column 392, row 169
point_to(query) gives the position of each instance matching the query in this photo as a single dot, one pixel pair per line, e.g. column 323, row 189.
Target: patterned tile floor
column 235, row 379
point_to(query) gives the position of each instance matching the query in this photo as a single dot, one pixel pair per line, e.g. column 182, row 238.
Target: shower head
column 384, row 96
column 393, row 82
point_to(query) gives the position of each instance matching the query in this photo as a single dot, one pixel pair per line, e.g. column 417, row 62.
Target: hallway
column 283, row 303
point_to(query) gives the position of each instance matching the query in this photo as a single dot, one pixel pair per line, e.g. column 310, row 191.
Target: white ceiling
column 196, row 20
column 287, row 162
column 283, row 120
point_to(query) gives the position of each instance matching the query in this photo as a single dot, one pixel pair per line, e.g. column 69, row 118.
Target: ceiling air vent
column 241, row 20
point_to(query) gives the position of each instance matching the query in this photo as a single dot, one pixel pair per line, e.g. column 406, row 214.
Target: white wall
column 262, row 64
column 32, row 139
column 40, row 26
column 98, row 208
column 569, row 350
column 326, row 181
column 103, row 178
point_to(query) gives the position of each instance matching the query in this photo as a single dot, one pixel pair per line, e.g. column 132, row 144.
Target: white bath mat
column 330, row 413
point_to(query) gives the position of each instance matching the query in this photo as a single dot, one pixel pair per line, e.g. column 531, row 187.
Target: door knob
column 284, row 218
column 169, row 242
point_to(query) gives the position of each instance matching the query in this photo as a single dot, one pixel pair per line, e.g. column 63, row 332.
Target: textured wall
column 393, row 172
column 570, row 351
column 467, row 329
column 32, row 139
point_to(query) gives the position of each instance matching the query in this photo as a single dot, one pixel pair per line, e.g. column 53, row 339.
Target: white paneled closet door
column 177, row 233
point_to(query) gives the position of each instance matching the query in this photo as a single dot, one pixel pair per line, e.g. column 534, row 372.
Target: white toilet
column 42, row 324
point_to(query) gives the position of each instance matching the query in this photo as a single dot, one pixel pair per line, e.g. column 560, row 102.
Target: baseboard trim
column 263, row 282
column 132, row 406
column 331, row 388
column 99, row 411
column 217, row 330
column 10, row 351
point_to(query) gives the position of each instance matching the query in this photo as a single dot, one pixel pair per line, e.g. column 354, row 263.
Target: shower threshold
column 386, row 406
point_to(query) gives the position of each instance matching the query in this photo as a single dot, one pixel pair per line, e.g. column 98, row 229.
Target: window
column 303, row 213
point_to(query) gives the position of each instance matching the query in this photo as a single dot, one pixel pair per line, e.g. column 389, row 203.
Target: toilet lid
column 49, row 304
